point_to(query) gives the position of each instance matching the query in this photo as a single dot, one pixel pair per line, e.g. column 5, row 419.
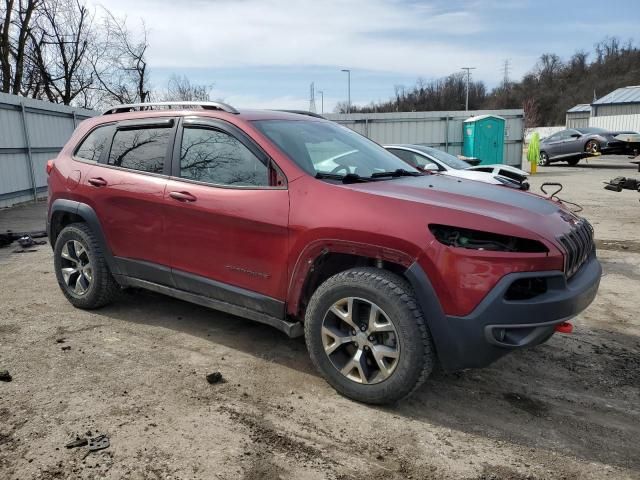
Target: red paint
column 564, row 327
column 49, row 166
column 265, row 240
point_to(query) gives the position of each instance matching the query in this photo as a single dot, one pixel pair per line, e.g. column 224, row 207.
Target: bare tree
column 531, row 113
column 120, row 64
column 15, row 29
column 181, row 89
column 61, row 50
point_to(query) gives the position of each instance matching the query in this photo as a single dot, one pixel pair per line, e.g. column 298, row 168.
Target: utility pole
column 321, row 92
column 312, row 98
column 468, row 69
column 348, row 88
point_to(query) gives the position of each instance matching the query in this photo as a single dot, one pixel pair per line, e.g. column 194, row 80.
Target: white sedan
column 434, row 160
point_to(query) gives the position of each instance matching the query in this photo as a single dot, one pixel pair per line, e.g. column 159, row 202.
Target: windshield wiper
column 348, row 178
column 400, row 172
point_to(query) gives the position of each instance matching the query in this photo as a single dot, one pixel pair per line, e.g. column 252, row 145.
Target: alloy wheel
column 592, row 147
column 76, row 268
column 360, row 340
column 543, row 160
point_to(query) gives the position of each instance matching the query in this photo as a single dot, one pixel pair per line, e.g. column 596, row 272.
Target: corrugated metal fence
column 31, row 132
column 617, row 122
column 438, row 129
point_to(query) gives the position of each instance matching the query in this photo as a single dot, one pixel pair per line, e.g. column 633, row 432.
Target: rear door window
column 93, row 144
column 142, row 149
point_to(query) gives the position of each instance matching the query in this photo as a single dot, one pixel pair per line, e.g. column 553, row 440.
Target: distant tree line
column 546, row 92
column 63, row 52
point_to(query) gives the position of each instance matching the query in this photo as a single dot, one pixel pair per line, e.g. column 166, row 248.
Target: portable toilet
column 483, row 138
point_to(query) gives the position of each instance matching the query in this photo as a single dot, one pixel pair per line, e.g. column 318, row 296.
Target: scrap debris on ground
column 215, row 377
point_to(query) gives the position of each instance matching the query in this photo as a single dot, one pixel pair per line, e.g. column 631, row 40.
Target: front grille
column 578, row 245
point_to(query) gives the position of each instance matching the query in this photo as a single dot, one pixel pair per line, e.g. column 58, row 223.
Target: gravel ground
column 136, row 371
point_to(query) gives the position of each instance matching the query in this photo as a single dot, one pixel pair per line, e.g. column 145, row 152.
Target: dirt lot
column 136, row 371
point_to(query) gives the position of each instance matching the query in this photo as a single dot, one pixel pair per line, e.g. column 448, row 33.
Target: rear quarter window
column 93, row 144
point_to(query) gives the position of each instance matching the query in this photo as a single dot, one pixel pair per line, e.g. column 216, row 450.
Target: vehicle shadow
column 576, row 395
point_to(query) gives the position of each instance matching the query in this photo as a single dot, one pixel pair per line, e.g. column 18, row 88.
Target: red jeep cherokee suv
column 300, row 223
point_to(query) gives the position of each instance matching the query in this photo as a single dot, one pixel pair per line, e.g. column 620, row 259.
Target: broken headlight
column 479, row 240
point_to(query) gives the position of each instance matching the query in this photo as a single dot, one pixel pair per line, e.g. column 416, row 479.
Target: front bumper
column 498, row 325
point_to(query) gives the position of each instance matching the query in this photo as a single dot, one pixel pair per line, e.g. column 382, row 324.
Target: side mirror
column 576, row 135
column 430, row 167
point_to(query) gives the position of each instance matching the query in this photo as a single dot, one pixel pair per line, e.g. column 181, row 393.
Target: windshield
column 329, row 148
column 446, row 158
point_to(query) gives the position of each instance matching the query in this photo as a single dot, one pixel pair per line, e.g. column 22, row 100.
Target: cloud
column 384, row 35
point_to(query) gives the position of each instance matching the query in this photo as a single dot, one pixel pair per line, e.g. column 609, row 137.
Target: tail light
column 49, row 166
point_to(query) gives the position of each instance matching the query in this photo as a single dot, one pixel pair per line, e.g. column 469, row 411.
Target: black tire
column 544, row 159
column 102, row 288
column 573, row 162
column 395, row 297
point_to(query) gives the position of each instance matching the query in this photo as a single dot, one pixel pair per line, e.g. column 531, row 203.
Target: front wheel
column 544, row 159
column 366, row 335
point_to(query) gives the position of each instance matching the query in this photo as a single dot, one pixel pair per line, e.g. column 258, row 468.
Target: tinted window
column 141, row 149
column 92, row 146
column 215, row 157
column 554, row 138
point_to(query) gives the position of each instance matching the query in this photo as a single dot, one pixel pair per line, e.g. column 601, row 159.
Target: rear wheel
column 81, row 269
column 544, row 159
column 366, row 335
column 592, row 147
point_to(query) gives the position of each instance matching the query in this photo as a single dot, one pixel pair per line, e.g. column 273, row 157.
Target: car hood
column 479, row 205
column 472, row 175
column 500, row 166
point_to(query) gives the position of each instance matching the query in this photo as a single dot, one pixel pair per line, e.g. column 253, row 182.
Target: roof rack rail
column 168, row 105
column 302, row 112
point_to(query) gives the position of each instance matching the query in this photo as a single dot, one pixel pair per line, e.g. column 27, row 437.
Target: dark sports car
column 573, row 144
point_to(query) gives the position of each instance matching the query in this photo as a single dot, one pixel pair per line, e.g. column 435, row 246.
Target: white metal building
column 623, row 101
column 578, row 116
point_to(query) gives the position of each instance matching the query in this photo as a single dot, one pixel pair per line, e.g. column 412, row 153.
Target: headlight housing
column 508, row 182
column 478, row 240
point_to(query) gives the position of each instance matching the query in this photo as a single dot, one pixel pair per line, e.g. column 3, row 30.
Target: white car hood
column 498, row 167
column 471, row 175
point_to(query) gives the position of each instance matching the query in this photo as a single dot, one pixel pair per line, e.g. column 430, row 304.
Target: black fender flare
column 444, row 338
column 88, row 214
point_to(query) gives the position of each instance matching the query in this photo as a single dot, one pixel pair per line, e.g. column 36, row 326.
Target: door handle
column 97, row 182
column 182, row 196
